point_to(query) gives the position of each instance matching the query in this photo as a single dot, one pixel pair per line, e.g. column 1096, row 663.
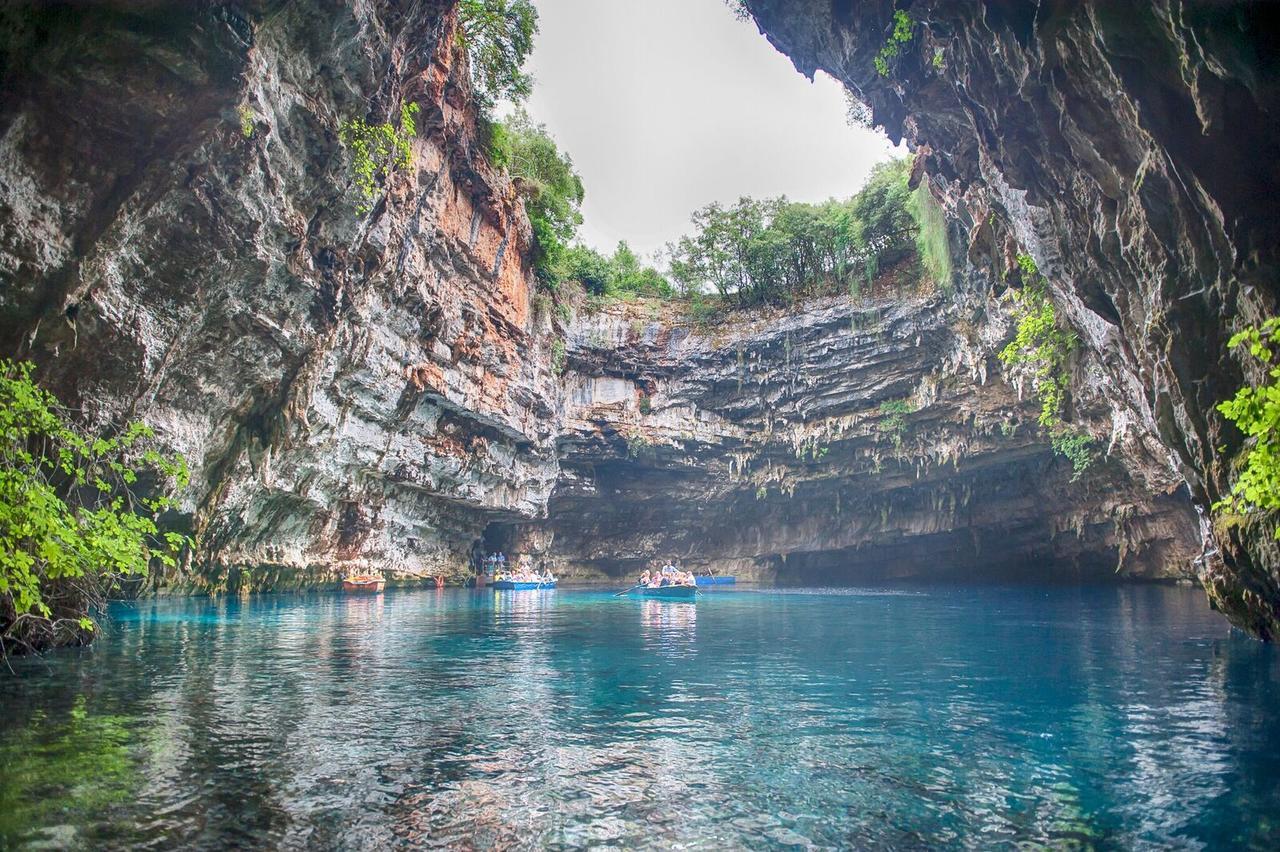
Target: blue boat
column 717, row 581
column 675, row 593
column 512, row 585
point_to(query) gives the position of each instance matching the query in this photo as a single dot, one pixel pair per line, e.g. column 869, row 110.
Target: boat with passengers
column 668, row 583
column 524, row 578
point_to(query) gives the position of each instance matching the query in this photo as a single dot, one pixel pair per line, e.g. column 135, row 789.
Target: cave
column 961, row 430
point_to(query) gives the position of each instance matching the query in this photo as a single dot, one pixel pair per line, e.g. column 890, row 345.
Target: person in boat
column 644, row 578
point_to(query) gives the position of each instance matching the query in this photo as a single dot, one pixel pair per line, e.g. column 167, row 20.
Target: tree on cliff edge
column 498, row 36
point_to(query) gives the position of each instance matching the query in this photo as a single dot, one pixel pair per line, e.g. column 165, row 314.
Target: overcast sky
column 667, row 105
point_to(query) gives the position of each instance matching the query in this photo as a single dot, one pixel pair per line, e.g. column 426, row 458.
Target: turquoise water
column 931, row 716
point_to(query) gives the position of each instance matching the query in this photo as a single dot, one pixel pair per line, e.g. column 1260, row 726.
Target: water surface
column 941, row 716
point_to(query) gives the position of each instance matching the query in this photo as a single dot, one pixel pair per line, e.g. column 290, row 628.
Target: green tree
column 586, row 266
column 620, row 275
column 551, row 189
column 498, row 36
column 74, row 519
column 775, row 251
column 883, row 210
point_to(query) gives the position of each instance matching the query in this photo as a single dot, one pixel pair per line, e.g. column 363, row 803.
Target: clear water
column 943, row 717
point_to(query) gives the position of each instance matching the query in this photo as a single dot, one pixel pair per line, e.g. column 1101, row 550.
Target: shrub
column 1256, row 412
column 646, row 405
column 557, row 357
column 620, row 275
column 1042, row 349
column 1076, row 447
column 899, row 36
column 893, row 413
column 73, row 519
column 246, row 121
column 377, row 152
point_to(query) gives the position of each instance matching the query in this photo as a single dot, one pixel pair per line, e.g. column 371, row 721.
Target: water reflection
column 1105, row 717
column 668, row 627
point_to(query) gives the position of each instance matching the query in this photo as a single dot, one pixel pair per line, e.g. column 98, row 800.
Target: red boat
column 363, row 583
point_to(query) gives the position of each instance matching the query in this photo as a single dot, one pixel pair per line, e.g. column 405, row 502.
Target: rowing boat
column 363, row 583
column 675, row 593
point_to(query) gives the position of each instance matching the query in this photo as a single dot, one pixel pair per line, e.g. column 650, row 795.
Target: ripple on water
column 767, row 718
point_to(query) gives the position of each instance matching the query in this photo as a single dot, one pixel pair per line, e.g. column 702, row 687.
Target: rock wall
column 379, row 391
column 349, row 390
column 850, row 439
column 1131, row 149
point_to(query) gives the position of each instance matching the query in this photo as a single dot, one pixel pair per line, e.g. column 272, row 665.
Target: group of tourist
column 669, row 575
column 523, row 572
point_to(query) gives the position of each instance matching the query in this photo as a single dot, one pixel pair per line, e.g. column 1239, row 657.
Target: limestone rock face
column 349, row 390
column 179, row 244
column 1131, row 149
column 847, row 440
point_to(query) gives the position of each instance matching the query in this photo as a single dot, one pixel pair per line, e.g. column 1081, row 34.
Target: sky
column 668, row 105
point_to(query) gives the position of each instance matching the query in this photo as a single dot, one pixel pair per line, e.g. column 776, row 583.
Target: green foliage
column 932, row 242
column 1040, row 347
column 702, row 309
column 884, row 214
column 1256, row 412
column 557, row 356
column 893, row 420
column 812, row 450
column 69, row 514
column 646, row 405
column 638, row 445
column 1076, row 447
column 551, row 188
column 246, row 121
column 901, row 35
column 775, row 251
column 619, row 275
column 498, row 37
column 377, row 152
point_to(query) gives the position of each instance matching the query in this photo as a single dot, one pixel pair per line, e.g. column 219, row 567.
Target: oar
column 625, row 591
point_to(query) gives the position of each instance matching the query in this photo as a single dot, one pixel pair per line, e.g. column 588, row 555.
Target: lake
column 940, row 716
